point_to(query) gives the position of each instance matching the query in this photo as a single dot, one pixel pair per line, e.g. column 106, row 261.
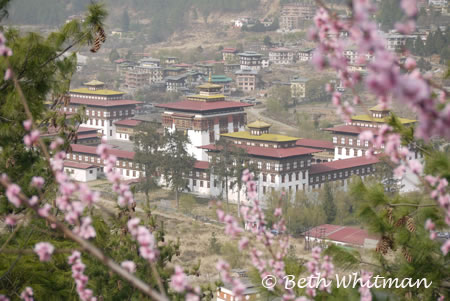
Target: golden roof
column 96, row 92
column 263, row 137
column 209, row 86
column 259, row 124
column 380, row 120
column 94, row 83
column 379, row 108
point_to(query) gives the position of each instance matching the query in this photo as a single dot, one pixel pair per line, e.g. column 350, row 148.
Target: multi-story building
column 103, row 107
column 346, row 137
column 136, row 79
column 247, row 80
column 397, row 42
column 298, row 87
column 155, row 74
column 204, row 117
column 250, row 60
column 176, row 83
column 281, row 56
column 229, row 54
column 292, row 15
column 149, row 62
column 305, row 55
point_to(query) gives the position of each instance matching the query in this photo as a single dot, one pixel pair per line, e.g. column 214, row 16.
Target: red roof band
column 270, row 152
column 191, row 105
column 128, row 122
column 92, row 150
column 342, row 164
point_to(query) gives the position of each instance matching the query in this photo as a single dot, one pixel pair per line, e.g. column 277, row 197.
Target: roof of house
column 341, row 164
column 380, row 120
column 352, row 129
column 344, row 234
column 96, row 92
column 262, row 137
column 246, row 72
column 269, row 152
column 78, row 165
column 259, row 124
column 94, row 83
column 379, row 108
column 229, row 50
column 249, row 53
column 128, row 122
column 313, row 143
column 87, row 136
column 92, row 150
column 192, row 105
column 103, row 103
column 201, row 165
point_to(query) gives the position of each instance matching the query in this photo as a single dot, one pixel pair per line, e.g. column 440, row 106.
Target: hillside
column 157, row 19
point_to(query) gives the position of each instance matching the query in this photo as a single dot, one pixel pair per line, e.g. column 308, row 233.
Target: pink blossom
column 44, row 250
column 45, row 210
column 133, row 225
column 130, row 266
column 410, row 7
column 12, row 193
column 278, row 212
column 56, row 143
column 85, row 230
column 416, row 166
column 410, row 64
column 37, row 182
column 366, row 136
column 27, row 294
column 178, row 280
column 429, row 225
column 32, row 138
column 399, row 171
column 243, row 243
column 8, row 74
column 11, row 220
column 33, row 201
column 27, row 124
column 4, row 298
column 446, row 247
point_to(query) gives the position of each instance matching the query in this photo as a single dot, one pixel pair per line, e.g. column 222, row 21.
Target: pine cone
column 406, row 254
column 410, row 225
column 389, row 215
column 383, row 245
column 401, row 221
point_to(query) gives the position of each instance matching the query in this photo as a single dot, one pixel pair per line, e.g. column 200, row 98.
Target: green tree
column 176, row 161
column 114, row 55
column 267, row 41
column 419, row 47
column 222, row 165
column 125, row 21
column 149, row 148
column 327, row 199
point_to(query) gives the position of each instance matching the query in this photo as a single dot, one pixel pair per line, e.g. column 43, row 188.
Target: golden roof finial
column 210, row 78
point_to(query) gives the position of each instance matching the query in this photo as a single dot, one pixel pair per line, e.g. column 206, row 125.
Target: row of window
column 283, row 166
column 343, row 141
column 362, row 171
column 95, row 159
column 284, row 178
column 96, row 97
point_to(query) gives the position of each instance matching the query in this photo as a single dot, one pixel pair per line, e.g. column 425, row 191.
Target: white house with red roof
column 81, row 172
column 342, row 235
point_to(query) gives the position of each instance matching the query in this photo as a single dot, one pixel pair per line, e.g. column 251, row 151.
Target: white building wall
column 81, row 175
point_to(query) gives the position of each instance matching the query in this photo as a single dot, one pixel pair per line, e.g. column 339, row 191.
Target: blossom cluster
column 80, row 278
column 5, row 51
column 147, row 243
column 123, row 190
column 324, row 269
column 180, row 284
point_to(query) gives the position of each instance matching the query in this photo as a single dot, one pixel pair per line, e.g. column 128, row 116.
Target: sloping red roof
column 352, row 129
column 87, row 136
column 103, row 103
column 229, row 50
column 191, row 105
column 342, row 164
column 83, row 129
column 78, row 165
column 313, row 143
column 92, row 150
column 270, row 152
column 201, row 165
column 344, row 234
column 128, row 122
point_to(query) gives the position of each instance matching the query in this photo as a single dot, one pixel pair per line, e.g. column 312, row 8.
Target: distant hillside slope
column 170, row 13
